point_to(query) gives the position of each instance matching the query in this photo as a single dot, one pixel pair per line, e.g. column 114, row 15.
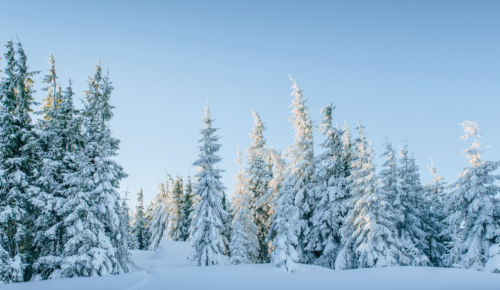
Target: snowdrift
column 168, row 268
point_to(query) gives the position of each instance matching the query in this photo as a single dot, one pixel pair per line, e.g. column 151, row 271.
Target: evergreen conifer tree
column 176, row 219
column 58, row 140
column 188, row 206
column 159, row 217
column 95, row 242
column 207, row 225
column 17, row 167
column 139, row 228
column 411, row 200
column 125, row 223
column 244, row 246
column 433, row 210
column 330, row 194
column 300, row 170
column 258, row 177
column 472, row 207
column 369, row 233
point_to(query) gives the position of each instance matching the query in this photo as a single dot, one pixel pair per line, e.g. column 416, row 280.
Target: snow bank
column 168, row 268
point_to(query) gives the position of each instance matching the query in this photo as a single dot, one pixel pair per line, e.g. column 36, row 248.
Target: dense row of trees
column 60, row 212
column 334, row 209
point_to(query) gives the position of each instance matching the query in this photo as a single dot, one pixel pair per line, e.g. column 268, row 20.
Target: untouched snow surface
column 168, row 268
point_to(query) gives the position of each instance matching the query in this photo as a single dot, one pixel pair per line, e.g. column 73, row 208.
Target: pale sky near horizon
column 411, row 69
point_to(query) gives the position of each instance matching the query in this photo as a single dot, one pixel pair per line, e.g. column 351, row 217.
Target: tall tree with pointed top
column 95, row 239
column 433, row 215
column 369, row 233
column 188, row 206
column 259, row 176
column 244, row 246
column 176, row 219
column 330, row 194
column 411, row 197
column 53, row 89
column 300, row 169
column 207, row 232
column 473, row 207
column 157, row 226
column 58, row 140
column 17, row 166
column 139, row 228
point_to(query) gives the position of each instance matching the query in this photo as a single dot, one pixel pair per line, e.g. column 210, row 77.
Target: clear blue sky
column 409, row 68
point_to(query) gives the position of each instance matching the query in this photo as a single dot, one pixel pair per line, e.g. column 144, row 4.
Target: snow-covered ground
column 168, row 268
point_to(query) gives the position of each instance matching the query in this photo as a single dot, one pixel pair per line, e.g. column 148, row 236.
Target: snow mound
column 169, row 268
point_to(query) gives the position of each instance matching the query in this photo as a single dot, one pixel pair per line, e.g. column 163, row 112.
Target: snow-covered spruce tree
column 284, row 231
column 277, row 165
column 188, row 206
column 139, row 227
column 176, row 225
column 126, row 223
column 17, row 167
column 346, row 150
column 369, row 232
column 47, row 227
column 58, row 139
column 258, row 178
column 389, row 179
column 411, row 200
column 434, row 198
column 227, row 207
column 330, row 194
column 53, row 88
column 300, row 170
column 95, row 243
column 473, row 208
column 244, row 246
column 207, row 225
column 159, row 217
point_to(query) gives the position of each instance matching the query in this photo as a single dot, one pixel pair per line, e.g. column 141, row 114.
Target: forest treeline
column 333, row 209
column 61, row 214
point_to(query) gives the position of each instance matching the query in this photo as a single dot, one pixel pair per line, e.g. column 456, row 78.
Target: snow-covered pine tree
column 434, row 198
column 207, row 226
column 389, row 179
column 411, row 200
column 159, row 217
column 126, row 223
column 48, row 242
column 330, row 194
column 139, row 227
column 244, row 246
column 53, row 88
column 148, row 213
column 473, row 208
column 95, row 243
column 300, row 170
column 284, row 231
column 58, row 138
column 258, row 178
column 17, row 167
column 176, row 225
column 188, row 206
column 277, row 165
column 347, row 150
column 369, row 233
